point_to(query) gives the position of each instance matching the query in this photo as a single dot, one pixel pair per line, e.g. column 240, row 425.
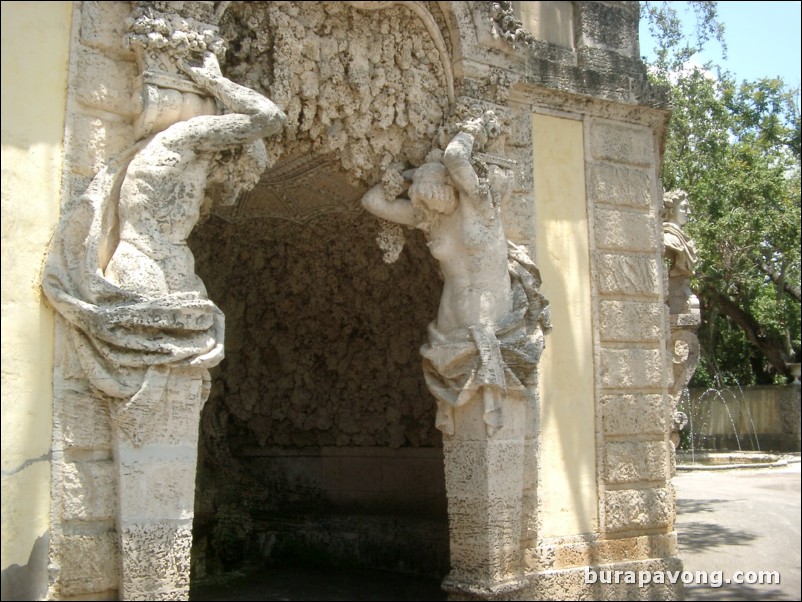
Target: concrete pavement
column 745, row 520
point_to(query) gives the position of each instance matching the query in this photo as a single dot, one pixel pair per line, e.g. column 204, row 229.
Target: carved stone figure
column 121, row 274
column 488, row 334
column 680, row 254
column 120, row 270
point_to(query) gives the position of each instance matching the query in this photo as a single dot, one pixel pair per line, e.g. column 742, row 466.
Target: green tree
column 735, row 148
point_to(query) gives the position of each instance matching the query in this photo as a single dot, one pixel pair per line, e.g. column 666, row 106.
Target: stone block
column 634, row 414
column 94, row 141
column 613, row 27
column 633, row 461
column 636, row 509
column 480, row 469
column 634, row 275
column 157, row 488
column 89, row 490
column 625, row 230
column 485, row 540
column 634, row 321
column 483, row 522
column 619, row 185
column 632, row 368
column 173, row 422
column 88, row 562
column 103, row 27
column 563, row 553
column 104, row 83
column 610, row 141
column 156, row 561
column 84, row 420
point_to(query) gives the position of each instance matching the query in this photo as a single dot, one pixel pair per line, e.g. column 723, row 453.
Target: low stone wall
column 765, row 418
column 334, row 506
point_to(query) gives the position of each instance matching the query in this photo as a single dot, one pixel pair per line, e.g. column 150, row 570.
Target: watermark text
column 712, row 578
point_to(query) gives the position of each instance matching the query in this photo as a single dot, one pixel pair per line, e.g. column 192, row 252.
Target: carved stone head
column 676, row 207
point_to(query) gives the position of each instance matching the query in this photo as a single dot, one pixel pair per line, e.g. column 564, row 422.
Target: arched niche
column 318, row 438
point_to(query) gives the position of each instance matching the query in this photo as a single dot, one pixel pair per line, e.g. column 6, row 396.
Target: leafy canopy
column 735, row 148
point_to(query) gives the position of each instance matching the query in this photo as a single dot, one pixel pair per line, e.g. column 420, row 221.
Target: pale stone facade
column 322, row 393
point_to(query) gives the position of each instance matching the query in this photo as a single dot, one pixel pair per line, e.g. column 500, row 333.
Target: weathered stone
column 632, row 509
column 620, row 185
column 85, row 420
column 156, row 561
column 97, row 141
column 633, row 461
column 634, row 414
column 632, row 368
column 103, row 27
column 87, row 563
column 621, row 144
column 479, row 468
column 105, row 83
column 624, row 230
column 322, row 339
column 628, row 275
column 685, row 315
column 568, row 553
column 633, row 321
column 89, row 490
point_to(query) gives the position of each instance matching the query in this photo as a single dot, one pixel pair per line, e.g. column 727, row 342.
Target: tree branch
column 786, row 286
column 770, row 346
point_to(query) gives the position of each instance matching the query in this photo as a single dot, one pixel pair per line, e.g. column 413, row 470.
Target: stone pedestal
column 484, row 485
column 156, row 465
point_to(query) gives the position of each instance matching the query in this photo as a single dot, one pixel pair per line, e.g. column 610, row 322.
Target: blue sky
column 763, row 39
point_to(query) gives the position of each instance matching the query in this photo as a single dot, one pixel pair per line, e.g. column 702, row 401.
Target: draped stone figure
column 121, row 275
column 120, row 270
column 488, row 335
column 684, row 313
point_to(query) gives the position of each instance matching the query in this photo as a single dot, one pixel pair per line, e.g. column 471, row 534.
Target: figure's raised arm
column 397, row 210
column 251, row 115
column 457, row 159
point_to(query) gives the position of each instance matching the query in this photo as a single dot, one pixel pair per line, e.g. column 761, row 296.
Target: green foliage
column 735, row 148
column 674, row 46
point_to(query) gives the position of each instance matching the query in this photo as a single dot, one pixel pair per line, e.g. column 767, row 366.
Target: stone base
column 619, row 581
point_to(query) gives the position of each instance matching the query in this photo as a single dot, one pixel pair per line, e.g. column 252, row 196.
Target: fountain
column 717, row 419
column 738, row 426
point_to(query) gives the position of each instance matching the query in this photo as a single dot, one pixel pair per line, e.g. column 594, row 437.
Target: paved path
column 728, row 520
column 741, row 520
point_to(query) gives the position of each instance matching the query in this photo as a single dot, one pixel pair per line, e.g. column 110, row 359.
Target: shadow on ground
column 733, row 592
column 700, row 536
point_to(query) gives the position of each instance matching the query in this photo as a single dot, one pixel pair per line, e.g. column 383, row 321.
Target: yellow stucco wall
column 35, row 55
column 567, row 487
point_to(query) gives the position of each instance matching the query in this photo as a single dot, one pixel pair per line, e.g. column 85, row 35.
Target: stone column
column 484, row 485
column 155, row 452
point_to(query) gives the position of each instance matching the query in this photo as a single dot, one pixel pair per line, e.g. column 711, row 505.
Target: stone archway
column 322, row 374
column 318, row 438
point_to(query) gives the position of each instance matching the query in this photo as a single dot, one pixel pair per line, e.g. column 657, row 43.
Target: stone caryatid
column 488, row 335
column 121, row 275
column 120, row 270
column 684, row 313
